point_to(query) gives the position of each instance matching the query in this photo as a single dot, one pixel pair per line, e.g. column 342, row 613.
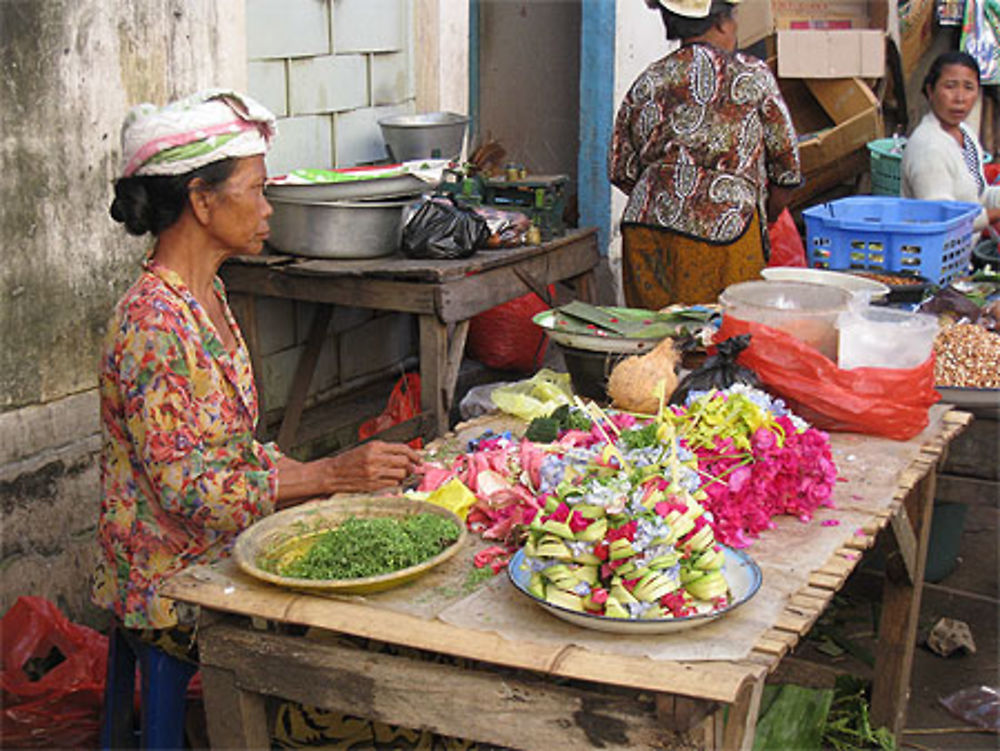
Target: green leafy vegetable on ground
column 370, row 547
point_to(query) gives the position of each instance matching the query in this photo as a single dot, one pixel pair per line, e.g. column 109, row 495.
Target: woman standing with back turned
column 705, row 149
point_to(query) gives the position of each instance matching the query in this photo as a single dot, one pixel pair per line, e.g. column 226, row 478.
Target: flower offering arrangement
column 628, row 517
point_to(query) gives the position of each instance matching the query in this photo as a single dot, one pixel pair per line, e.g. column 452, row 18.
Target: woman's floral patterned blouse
column 696, row 140
column 181, row 472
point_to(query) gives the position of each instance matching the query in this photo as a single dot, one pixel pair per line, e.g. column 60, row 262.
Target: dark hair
column 682, row 27
column 953, row 57
column 151, row 203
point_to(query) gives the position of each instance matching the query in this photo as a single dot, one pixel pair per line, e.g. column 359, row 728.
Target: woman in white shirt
column 943, row 160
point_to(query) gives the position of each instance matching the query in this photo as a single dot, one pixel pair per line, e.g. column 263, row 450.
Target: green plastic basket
column 885, row 166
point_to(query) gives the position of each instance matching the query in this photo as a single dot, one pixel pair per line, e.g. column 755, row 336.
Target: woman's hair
column 151, row 203
column 682, row 27
column 953, row 57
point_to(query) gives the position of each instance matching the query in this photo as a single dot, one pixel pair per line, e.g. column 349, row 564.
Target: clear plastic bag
column 979, row 706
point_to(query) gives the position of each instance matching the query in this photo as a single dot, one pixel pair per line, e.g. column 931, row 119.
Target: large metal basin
column 434, row 135
column 337, row 229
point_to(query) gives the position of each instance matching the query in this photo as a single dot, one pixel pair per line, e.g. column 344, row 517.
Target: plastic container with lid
column 806, row 311
column 885, row 338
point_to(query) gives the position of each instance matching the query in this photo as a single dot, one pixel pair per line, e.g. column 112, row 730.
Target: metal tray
column 983, row 403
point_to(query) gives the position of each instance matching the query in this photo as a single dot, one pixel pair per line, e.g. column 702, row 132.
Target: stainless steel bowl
column 337, row 229
column 434, row 135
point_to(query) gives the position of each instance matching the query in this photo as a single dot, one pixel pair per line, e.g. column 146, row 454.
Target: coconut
column 634, row 382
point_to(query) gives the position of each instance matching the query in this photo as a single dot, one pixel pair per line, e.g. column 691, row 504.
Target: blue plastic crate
column 932, row 239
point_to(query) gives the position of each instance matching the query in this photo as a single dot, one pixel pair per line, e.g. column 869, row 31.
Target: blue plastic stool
column 164, row 687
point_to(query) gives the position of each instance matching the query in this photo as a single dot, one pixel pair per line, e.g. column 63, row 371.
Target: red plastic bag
column 505, row 338
column 403, row 405
column 879, row 401
column 62, row 707
column 786, row 243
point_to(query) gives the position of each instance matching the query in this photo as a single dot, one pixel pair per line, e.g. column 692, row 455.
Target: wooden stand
column 443, row 294
column 535, row 694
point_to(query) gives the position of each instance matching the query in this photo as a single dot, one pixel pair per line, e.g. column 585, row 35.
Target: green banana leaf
column 578, row 317
column 792, row 717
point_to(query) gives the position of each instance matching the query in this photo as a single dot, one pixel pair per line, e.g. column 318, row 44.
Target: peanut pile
column 967, row 355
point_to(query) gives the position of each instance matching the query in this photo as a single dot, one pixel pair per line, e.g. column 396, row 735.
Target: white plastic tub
column 884, row 338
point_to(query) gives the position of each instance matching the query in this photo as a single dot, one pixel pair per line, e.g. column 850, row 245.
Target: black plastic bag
column 720, row 371
column 442, row 228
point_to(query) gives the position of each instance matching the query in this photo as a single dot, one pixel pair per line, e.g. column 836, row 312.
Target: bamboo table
column 538, row 695
column 443, row 294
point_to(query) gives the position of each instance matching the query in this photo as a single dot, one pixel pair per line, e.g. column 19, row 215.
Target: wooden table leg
column 441, row 354
column 299, row 389
column 741, row 725
column 236, row 718
column 433, row 369
column 244, row 309
column 900, row 612
column 586, row 287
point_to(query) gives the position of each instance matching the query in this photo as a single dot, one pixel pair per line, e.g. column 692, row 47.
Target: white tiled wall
column 342, row 61
column 368, row 25
column 329, row 69
column 287, row 28
column 302, row 141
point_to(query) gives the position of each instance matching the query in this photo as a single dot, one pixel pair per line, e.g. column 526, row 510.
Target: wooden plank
column 464, row 298
column 236, row 718
column 503, row 708
column 713, row 681
column 299, row 389
column 438, row 271
column 898, row 623
column 680, row 714
column 971, row 490
column 380, row 294
column 901, row 556
column 434, row 370
column 771, row 646
column 742, row 721
column 796, row 621
column 826, row 581
column 244, row 308
column 456, row 350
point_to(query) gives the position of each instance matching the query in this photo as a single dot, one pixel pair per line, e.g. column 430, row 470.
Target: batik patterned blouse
column 181, row 472
column 696, row 140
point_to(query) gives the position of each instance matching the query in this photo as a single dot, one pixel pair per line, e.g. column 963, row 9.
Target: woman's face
column 954, row 94
column 239, row 211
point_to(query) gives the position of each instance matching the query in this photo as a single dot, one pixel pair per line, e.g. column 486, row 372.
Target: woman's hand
column 370, row 466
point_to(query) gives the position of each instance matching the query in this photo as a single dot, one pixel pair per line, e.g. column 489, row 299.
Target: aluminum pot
column 337, row 229
column 434, row 135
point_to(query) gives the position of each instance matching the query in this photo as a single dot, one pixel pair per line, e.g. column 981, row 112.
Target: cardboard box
column 821, row 38
column 833, row 118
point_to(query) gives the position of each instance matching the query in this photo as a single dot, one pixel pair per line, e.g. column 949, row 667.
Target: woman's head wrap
column 692, row 8
column 187, row 134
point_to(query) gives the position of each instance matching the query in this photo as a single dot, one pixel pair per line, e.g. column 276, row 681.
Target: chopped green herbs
column 370, row 547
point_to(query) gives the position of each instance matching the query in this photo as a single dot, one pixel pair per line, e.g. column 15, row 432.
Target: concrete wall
column 529, row 83
column 71, row 69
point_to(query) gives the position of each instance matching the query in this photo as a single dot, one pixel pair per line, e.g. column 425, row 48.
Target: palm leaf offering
column 578, row 317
